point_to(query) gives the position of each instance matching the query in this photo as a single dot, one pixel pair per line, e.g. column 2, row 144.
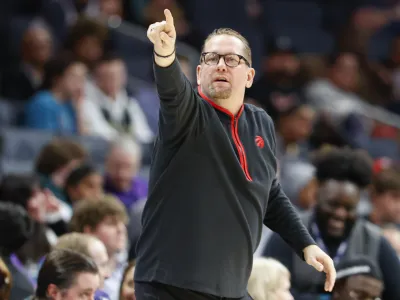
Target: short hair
column 231, row 32
column 58, row 153
column 92, row 213
column 56, row 68
column 79, row 173
column 76, row 241
column 61, row 268
column 344, row 164
column 18, row 189
column 265, row 277
column 16, row 227
column 386, row 181
column 108, row 58
column 85, row 27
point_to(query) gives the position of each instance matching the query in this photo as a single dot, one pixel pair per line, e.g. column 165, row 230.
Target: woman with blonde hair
column 269, row 280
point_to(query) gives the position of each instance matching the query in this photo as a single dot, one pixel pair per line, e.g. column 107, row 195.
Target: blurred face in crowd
column 297, row 126
column 41, row 203
column 219, row 81
column 72, row 82
column 83, row 288
column 282, row 67
column 128, row 286
column 37, row 46
column 89, row 49
column 121, row 168
column 387, row 206
column 90, row 187
column 98, row 253
column 345, row 72
column 392, row 234
column 336, row 209
column 111, row 77
column 111, row 7
column 112, row 232
column 357, row 287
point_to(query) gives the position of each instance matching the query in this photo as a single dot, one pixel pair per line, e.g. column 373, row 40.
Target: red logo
column 259, row 142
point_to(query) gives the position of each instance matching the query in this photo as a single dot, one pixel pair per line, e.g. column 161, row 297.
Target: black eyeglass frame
column 241, row 57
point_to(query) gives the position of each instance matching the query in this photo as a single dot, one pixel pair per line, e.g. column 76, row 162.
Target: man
column 67, row 275
column 213, row 178
column 341, row 175
column 105, row 219
column 92, row 247
column 358, row 278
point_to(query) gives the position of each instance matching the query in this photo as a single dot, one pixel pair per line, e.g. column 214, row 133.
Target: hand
column 163, row 35
column 366, row 287
column 321, row 261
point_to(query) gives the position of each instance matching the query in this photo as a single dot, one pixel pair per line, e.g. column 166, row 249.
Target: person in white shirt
column 109, row 111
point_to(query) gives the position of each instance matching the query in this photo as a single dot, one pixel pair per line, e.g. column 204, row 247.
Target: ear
column 250, row 77
column 198, row 71
column 52, row 291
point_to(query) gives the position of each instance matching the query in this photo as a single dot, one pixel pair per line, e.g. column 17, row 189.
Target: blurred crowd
column 79, row 115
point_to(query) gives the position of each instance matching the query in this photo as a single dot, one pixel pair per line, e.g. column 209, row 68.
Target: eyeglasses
column 231, row 60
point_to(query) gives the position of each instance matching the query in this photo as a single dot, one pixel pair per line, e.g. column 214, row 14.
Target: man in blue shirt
column 56, row 107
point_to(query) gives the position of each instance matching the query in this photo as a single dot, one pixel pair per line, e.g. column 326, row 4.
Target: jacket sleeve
column 282, row 217
column 179, row 104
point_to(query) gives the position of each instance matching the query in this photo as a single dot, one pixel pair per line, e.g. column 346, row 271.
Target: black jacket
column 212, row 185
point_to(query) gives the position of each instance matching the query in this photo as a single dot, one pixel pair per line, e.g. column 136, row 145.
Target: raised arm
column 179, row 105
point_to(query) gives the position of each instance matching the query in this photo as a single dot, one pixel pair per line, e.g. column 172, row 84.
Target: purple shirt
column 138, row 191
column 101, row 295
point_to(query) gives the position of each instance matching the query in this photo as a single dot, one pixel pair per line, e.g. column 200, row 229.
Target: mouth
column 336, row 225
column 221, row 79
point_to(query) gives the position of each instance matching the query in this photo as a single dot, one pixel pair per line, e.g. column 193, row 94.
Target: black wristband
column 166, row 56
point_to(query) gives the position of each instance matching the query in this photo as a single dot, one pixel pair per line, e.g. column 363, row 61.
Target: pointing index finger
column 168, row 17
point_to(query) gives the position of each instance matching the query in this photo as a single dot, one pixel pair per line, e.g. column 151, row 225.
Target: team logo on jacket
column 259, row 142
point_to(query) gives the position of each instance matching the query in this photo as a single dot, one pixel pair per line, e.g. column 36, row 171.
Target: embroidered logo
column 259, row 142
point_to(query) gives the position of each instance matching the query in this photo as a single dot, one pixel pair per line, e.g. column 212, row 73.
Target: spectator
column 358, row 278
column 109, row 111
column 279, row 85
column 92, row 247
column 127, row 290
column 5, row 281
column 16, row 229
column 25, row 191
column 106, row 219
column 21, row 82
column 58, row 106
column 55, row 162
column 385, row 197
column 269, row 280
column 341, row 176
column 122, row 166
column 67, row 274
column 294, row 126
column 87, row 41
column 84, row 182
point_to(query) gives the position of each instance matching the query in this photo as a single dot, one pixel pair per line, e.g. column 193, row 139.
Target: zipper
column 240, row 148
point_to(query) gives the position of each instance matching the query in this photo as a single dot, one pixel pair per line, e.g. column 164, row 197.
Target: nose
column 340, row 212
column 221, row 66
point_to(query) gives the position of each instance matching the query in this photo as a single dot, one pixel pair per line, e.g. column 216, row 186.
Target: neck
column 231, row 104
column 57, row 94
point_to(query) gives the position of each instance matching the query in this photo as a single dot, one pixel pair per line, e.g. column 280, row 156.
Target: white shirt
column 98, row 125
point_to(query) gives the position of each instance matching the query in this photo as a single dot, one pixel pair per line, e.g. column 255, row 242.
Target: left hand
column 321, row 261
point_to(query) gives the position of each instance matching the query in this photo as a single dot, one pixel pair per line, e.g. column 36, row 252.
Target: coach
column 213, row 178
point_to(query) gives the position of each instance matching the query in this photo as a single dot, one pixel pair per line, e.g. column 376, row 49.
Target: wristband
column 162, row 56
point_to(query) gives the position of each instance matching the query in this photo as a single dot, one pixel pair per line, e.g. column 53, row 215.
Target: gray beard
column 221, row 94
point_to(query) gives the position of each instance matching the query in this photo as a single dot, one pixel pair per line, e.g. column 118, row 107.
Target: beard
column 219, row 93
